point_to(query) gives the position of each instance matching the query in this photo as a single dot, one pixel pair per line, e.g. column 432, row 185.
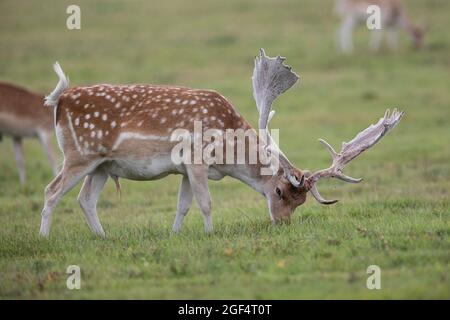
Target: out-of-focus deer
column 126, row 131
column 22, row 115
column 393, row 17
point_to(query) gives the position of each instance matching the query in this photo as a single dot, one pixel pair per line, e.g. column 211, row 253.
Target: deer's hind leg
column 392, row 38
column 376, row 40
column 66, row 179
column 46, row 138
column 345, row 35
column 88, row 197
column 18, row 153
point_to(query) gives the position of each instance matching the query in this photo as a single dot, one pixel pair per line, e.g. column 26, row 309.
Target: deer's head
column 286, row 188
column 282, row 196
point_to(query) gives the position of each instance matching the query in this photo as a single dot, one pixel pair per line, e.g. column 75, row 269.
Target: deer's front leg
column 184, row 203
column 198, row 178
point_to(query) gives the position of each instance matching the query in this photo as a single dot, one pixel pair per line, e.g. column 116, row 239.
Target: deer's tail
column 52, row 99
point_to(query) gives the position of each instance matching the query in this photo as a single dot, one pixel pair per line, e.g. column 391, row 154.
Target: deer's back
column 390, row 9
column 104, row 118
column 22, row 112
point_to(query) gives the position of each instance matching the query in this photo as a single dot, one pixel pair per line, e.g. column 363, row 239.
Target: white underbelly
column 151, row 169
column 142, row 169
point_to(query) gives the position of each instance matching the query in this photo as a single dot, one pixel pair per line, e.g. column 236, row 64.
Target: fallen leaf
column 281, row 264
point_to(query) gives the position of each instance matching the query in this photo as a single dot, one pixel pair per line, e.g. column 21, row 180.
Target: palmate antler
column 350, row 150
column 271, row 77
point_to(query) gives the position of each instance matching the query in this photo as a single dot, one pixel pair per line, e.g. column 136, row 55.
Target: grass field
column 398, row 218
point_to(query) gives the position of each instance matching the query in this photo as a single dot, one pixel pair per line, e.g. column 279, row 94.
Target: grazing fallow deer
column 393, row 17
column 21, row 116
column 125, row 131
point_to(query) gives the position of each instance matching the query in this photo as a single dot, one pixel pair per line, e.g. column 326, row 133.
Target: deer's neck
column 249, row 173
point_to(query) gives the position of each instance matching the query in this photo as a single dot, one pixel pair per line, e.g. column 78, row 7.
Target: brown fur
column 100, row 113
column 22, row 112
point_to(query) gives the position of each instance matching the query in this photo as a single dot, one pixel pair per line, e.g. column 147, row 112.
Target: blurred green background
column 397, row 219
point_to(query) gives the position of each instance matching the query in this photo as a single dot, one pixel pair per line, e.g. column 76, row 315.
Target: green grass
column 398, row 218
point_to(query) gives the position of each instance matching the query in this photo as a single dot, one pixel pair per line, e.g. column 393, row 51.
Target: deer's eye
column 278, row 191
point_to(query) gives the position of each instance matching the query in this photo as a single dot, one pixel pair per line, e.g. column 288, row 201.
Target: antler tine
column 330, row 149
column 318, row 197
column 335, row 156
column 350, row 150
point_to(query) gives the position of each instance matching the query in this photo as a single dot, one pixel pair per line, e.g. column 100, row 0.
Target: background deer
column 21, row 116
column 393, row 17
column 125, row 131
